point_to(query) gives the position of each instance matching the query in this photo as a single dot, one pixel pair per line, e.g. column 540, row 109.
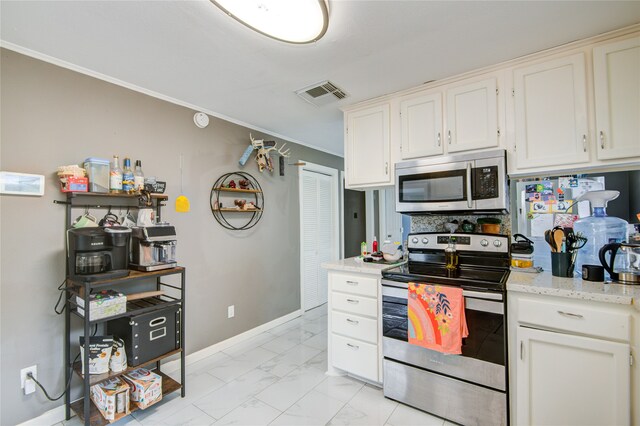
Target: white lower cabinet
column 571, row 380
column 571, row 361
column 354, row 327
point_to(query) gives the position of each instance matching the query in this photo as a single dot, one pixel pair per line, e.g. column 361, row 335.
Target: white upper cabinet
column 616, row 77
column 472, row 116
column 551, row 125
column 421, row 122
column 368, row 147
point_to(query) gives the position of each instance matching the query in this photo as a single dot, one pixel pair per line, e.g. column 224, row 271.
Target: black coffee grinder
column 96, row 253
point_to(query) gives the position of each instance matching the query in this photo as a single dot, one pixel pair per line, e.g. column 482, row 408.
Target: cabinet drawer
column 356, row 284
column 354, row 304
column 354, row 356
column 354, row 326
column 576, row 318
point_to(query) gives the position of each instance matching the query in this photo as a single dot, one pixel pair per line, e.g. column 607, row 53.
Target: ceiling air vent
column 321, row 94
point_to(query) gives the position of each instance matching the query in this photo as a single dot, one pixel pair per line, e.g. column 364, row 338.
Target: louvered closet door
column 316, row 241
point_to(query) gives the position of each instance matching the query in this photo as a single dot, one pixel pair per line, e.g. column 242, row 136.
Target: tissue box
column 111, row 398
column 106, row 303
column 146, row 387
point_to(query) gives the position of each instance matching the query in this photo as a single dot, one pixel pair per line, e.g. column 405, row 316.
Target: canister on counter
column 521, row 252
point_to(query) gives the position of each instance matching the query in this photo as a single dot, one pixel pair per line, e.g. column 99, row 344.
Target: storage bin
column 98, row 173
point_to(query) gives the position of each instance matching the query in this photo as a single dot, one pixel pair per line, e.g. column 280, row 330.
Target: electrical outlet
column 27, row 384
column 231, row 311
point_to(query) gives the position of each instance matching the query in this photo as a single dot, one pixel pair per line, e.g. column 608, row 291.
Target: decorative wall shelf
column 222, row 202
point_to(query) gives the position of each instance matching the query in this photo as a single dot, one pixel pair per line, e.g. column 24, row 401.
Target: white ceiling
column 192, row 52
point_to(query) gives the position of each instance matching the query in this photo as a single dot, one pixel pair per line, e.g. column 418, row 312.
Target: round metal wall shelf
column 226, row 212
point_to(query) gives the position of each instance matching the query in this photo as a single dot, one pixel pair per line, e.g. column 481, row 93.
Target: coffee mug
column 84, row 221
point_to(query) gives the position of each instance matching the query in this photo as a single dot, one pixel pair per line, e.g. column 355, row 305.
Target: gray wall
column 51, row 117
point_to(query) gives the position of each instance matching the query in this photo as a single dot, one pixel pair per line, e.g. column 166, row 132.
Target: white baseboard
column 56, row 415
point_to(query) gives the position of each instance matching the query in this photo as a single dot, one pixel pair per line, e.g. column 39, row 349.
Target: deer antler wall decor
column 263, row 157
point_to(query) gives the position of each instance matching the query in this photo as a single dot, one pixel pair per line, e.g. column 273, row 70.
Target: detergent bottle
column 599, row 229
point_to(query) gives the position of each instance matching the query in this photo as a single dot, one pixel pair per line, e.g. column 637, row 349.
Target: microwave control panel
column 485, row 182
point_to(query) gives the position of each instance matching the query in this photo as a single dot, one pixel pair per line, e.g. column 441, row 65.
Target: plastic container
column 98, row 174
column 599, row 230
column 522, row 260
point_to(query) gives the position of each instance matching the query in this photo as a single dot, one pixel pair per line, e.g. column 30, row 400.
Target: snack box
column 111, row 398
column 103, row 304
column 146, row 387
column 74, row 184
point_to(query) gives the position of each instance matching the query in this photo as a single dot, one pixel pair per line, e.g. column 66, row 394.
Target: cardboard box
column 104, row 304
column 146, row 387
column 111, row 398
column 74, row 184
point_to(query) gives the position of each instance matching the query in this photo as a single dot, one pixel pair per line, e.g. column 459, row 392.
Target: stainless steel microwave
column 471, row 183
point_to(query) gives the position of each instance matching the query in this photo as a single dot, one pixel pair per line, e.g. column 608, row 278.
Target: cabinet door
column 421, row 119
column 368, row 146
column 551, row 113
column 616, row 75
column 472, row 116
column 571, row 380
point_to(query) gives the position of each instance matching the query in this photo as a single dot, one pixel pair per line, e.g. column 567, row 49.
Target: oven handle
column 391, row 288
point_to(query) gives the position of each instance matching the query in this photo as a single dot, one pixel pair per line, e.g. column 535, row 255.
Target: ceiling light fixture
column 292, row 21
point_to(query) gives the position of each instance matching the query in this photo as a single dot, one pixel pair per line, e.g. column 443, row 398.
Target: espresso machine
column 96, row 253
column 153, row 248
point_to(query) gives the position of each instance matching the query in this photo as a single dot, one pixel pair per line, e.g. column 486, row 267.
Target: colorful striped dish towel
column 436, row 317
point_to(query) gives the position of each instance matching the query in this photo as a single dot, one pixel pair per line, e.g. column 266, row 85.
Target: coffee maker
column 97, row 253
column 153, row 248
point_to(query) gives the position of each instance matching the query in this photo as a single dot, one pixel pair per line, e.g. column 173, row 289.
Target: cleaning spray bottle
column 599, row 229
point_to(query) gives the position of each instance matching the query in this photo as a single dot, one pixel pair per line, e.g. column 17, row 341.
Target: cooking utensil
column 558, row 238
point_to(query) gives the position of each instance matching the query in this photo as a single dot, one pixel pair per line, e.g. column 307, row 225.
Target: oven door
column 483, row 356
column 444, row 187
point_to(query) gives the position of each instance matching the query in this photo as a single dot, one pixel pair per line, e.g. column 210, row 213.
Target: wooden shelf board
column 99, row 378
column 95, row 417
column 133, row 275
column 246, row 191
column 111, row 195
column 228, row 210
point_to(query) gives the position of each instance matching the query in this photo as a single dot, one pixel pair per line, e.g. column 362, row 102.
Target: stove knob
column 484, row 242
column 414, row 240
column 497, row 243
column 425, row 241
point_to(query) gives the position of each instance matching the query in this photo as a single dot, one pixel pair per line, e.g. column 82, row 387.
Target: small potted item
column 240, row 203
column 231, row 184
column 489, row 225
column 244, row 184
column 469, row 227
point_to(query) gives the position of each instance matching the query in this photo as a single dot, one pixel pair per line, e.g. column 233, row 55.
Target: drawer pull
column 354, row 301
column 352, row 282
column 569, row 314
column 354, row 347
column 354, row 322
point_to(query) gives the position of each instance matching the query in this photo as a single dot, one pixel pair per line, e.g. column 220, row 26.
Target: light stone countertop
column 355, row 264
column 574, row 288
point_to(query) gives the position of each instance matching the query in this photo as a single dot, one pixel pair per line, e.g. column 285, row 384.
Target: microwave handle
column 469, row 192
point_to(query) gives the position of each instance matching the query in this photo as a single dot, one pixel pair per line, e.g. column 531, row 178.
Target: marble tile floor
column 276, row 378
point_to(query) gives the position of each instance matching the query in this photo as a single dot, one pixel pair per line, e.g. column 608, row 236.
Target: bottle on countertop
column 451, row 255
column 127, row 176
column 115, row 176
column 138, row 177
column 374, row 247
column 363, row 248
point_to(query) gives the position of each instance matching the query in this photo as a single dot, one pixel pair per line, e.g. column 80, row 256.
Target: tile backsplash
column 435, row 223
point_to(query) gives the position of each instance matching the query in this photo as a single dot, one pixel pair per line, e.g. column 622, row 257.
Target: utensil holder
column 561, row 265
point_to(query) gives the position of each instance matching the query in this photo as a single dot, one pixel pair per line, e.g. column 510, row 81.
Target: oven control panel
column 468, row 242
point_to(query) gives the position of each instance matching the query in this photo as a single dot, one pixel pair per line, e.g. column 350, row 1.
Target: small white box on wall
column 21, row 184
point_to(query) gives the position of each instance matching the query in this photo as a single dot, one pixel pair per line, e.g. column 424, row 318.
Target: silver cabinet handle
column 386, row 168
column 438, row 138
column 352, row 282
column 521, row 349
column 354, row 322
column 601, row 139
column 569, row 314
column 584, row 143
column 354, row 301
column 449, row 136
column 354, row 347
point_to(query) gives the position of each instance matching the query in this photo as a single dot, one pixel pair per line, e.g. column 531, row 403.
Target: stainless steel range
column 470, row 388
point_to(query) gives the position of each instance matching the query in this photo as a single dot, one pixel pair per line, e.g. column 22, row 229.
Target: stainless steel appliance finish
column 455, row 400
column 471, row 388
column 153, row 248
column 474, row 182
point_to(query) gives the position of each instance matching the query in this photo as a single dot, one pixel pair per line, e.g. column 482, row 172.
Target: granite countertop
column 355, row 264
column 574, row 288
